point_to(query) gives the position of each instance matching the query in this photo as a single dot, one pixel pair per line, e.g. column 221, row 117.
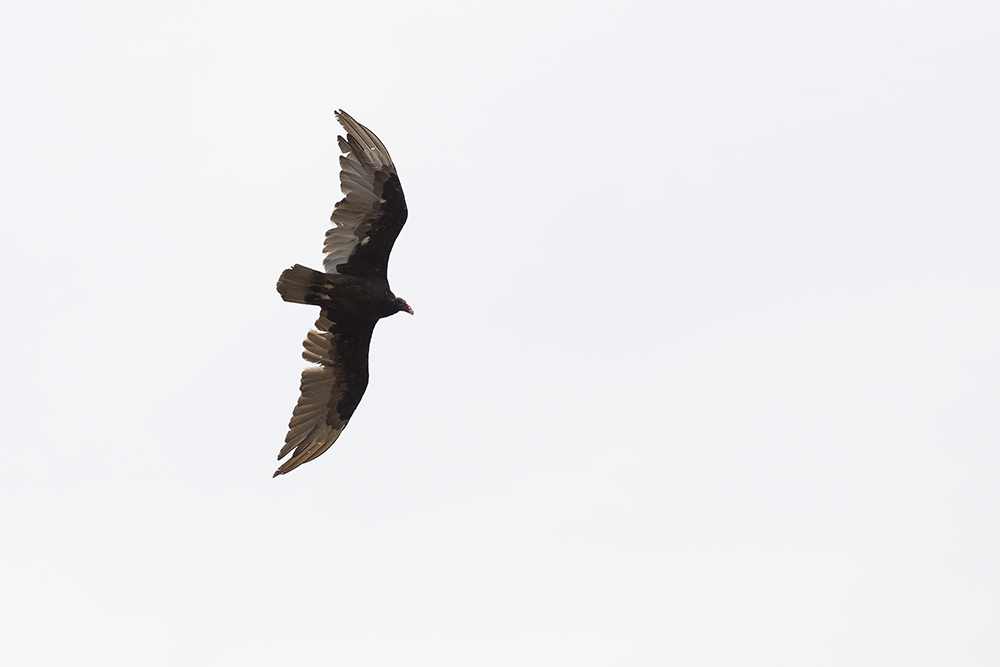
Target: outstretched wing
column 367, row 220
column 331, row 390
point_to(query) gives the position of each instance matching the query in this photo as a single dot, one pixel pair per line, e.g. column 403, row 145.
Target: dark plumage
column 353, row 294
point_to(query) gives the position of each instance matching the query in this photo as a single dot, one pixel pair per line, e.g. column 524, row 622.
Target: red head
column 402, row 305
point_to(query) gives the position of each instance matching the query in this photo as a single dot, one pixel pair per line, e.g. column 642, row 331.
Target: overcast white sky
column 704, row 368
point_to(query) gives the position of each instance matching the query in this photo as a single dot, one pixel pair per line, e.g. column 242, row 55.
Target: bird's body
column 353, row 294
column 349, row 298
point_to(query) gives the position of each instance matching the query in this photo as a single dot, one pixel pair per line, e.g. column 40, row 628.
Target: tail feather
column 296, row 284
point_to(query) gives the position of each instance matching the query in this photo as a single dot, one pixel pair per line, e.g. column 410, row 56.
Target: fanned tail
column 296, row 284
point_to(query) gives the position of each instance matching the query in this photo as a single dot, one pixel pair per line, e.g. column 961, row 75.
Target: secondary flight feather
column 352, row 293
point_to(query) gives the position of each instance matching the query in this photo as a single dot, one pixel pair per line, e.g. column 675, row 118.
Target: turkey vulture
column 352, row 293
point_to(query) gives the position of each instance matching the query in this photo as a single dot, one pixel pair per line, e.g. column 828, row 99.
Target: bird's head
column 402, row 305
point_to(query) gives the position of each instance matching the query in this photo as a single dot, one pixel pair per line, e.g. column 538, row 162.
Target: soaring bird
column 352, row 292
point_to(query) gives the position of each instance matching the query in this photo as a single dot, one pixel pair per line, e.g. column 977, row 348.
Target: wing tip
column 286, row 468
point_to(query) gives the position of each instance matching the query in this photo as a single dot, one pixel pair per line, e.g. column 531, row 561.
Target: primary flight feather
column 352, row 293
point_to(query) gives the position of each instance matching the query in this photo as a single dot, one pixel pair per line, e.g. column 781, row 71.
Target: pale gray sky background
column 704, row 368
